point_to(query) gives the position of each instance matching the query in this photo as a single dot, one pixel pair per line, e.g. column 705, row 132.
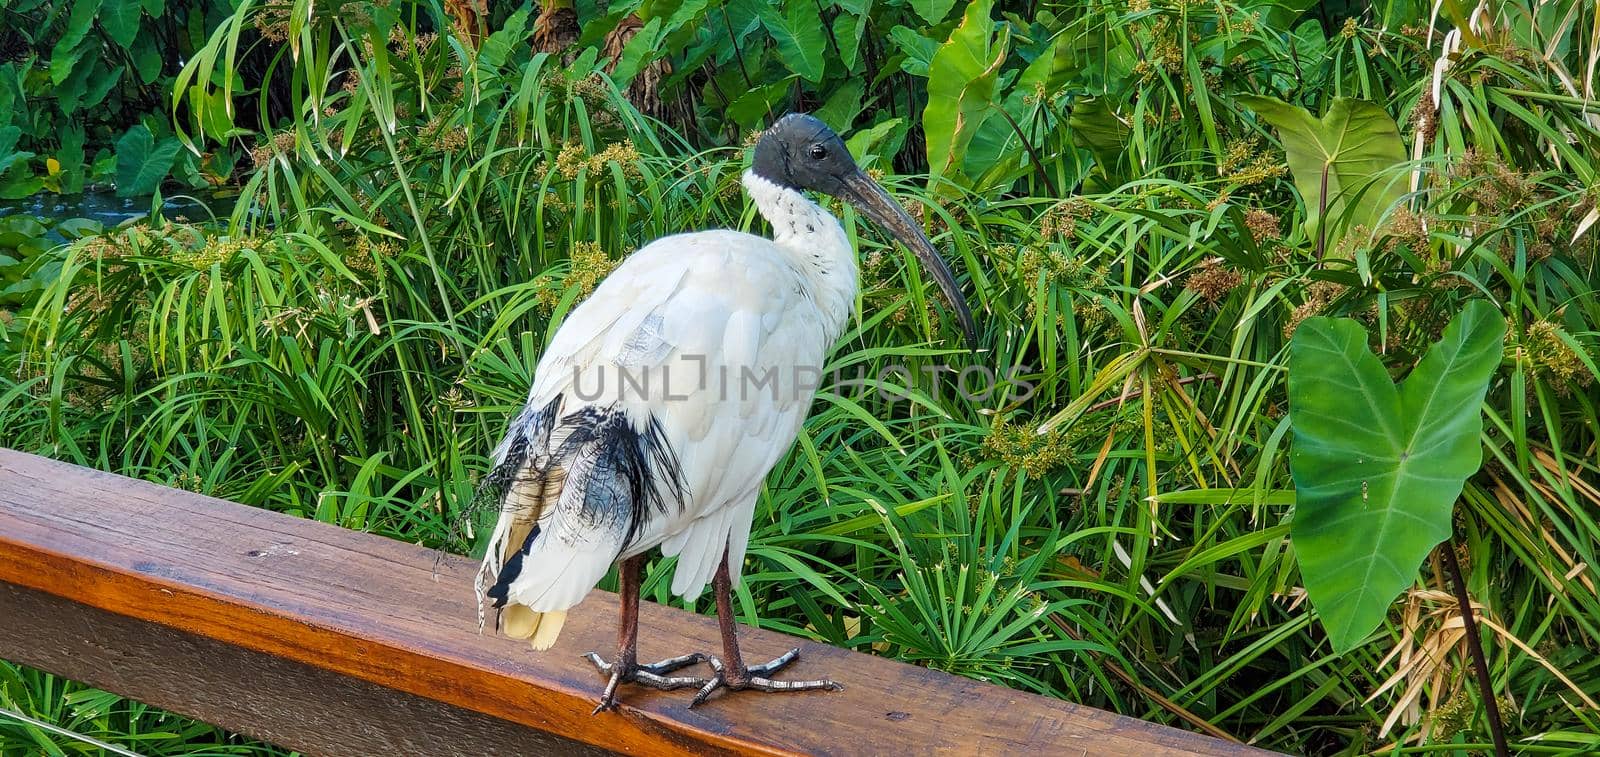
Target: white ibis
column 667, row 396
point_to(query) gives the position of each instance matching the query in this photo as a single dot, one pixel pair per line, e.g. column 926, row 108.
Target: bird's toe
column 656, row 675
column 755, row 678
column 779, row 663
column 598, row 661
column 673, row 663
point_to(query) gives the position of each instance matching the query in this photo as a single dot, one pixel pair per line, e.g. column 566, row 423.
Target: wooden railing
column 335, row 642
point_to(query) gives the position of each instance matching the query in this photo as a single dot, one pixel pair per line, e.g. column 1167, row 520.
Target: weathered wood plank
column 274, row 699
column 326, row 601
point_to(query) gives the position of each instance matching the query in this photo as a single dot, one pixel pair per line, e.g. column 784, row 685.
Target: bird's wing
column 763, row 360
column 631, row 437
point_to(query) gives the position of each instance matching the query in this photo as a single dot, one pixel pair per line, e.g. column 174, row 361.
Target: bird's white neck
column 817, row 244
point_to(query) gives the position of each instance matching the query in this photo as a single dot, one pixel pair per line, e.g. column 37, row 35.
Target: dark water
column 106, row 208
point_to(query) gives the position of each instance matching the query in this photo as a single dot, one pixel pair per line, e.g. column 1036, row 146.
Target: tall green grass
column 348, row 346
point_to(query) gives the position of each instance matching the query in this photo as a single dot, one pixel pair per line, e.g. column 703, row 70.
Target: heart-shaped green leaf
column 755, row 107
column 147, row 58
column 873, row 143
column 843, row 106
column 142, row 162
column 497, row 47
column 1377, row 468
column 120, row 18
column 801, row 37
column 1342, row 163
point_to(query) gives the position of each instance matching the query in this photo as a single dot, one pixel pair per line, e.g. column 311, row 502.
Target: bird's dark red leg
column 626, row 667
column 730, row 671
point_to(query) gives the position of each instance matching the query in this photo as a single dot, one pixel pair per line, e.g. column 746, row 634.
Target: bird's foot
column 755, row 677
column 655, row 675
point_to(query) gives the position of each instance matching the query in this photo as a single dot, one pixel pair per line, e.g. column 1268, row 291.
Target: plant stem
column 1480, row 664
column 738, row 54
column 1322, row 216
column 1033, row 155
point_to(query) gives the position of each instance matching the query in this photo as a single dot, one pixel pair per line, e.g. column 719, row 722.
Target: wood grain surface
column 288, row 703
column 350, row 623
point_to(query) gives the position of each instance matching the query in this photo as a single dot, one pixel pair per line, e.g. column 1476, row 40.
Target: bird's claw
column 655, row 675
column 755, row 677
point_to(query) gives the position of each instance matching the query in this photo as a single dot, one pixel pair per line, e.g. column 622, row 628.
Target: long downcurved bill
column 876, row 204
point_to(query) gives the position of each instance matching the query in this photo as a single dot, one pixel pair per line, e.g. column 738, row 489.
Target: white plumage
column 683, row 332
column 665, row 399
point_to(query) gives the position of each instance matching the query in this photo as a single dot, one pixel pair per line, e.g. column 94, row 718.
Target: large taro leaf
column 878, row 142
column 801, row 37
column 754, row 108
column 843, row 106
column 1377, row 468
column 142, row 162
column 120, row 19
column 1343, row 163
column 961, row 83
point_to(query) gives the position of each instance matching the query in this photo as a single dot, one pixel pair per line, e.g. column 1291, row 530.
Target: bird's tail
column 540, row 628
column 521, row 488
column 588, row 478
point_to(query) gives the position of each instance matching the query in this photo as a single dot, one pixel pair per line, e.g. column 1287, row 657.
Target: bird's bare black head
column 801, row 152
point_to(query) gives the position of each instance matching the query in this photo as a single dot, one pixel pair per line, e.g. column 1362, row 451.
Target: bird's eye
column 818, row 152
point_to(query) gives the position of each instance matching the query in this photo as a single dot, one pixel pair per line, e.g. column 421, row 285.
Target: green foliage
column 9, row 136
column 800, row 36
column 1100, row 131
column 26, row 266
column 120, row 18
column 66, row 718
column 961, row 84
column 1344, row 164
column 1378, row 468
column 421, row 208
column 80, row 76
column 141, row 162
